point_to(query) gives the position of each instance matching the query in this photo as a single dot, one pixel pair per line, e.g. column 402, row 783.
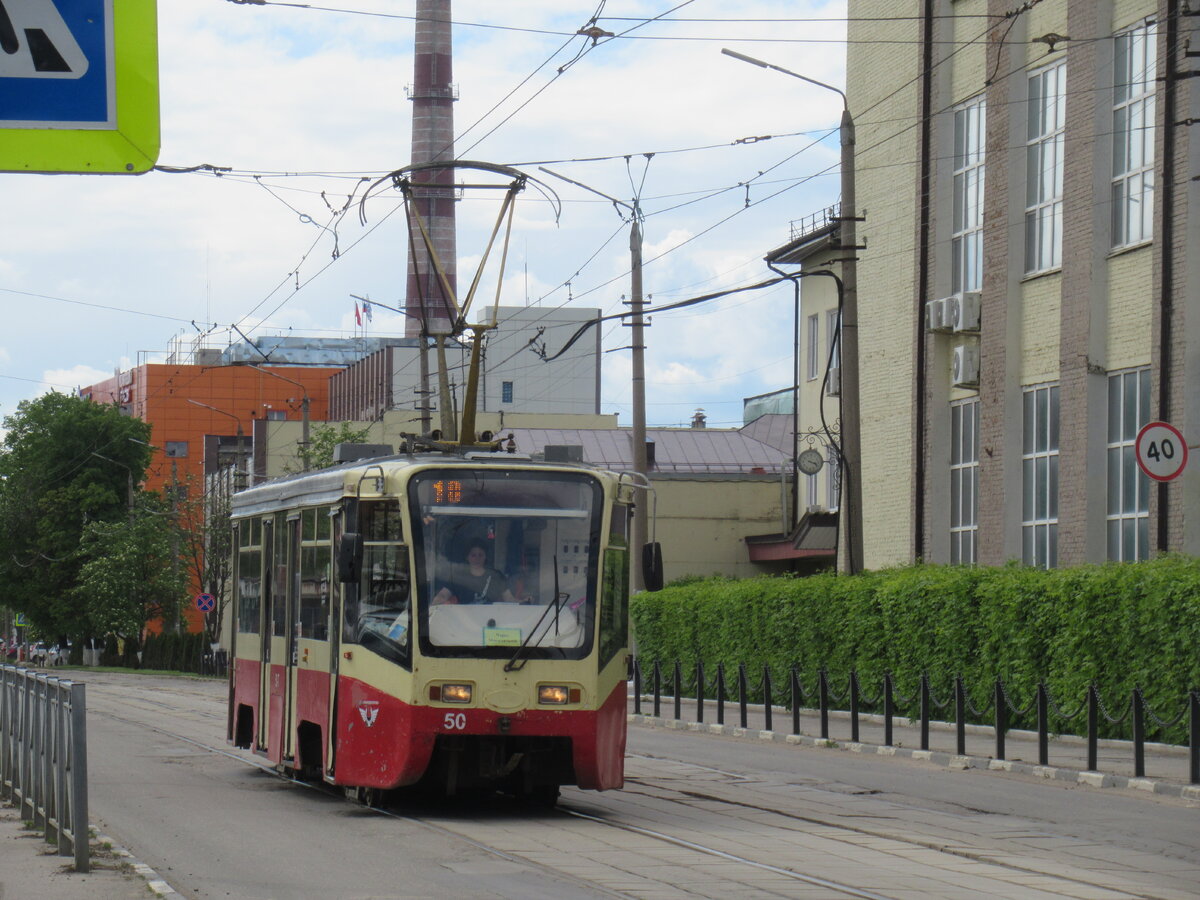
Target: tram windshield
column 506, row 560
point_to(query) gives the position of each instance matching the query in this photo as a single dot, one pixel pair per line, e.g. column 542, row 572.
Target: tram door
column 309, row 647
column 262, row 729
column 337, row 526
column 278, row 638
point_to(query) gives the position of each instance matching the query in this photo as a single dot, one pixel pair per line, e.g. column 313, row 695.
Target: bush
column 1118, row 625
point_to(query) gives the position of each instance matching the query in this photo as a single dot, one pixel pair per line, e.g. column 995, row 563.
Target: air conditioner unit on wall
column 964, row 366
column 950, row 315
column 966, row 312
column 935, row 316
column 833, row 384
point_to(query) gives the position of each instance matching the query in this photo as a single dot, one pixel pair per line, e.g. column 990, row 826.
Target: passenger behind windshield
column 474, row 581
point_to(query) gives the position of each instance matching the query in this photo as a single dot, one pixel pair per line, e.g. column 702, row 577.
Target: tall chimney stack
column 432, row 94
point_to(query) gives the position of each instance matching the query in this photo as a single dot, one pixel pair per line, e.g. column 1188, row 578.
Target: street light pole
column 641, row 463
column 849, row 394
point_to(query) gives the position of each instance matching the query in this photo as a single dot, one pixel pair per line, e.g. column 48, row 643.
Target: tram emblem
column 369, row 710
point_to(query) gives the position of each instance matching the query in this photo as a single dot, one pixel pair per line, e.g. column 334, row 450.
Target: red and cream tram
column 456, row 621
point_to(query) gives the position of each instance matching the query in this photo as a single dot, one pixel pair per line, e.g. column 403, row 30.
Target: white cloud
column 276, row 89
column 74, row 377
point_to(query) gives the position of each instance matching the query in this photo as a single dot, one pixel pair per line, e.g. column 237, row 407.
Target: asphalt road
column 703, row 815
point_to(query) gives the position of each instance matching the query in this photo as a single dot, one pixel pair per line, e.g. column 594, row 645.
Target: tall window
column 1128, row 488
column 964, row 481
column 1039, row 458
column 814, row 346
column 810, row 491
column 834, row 349
column 1044, row 169
column 966, row 240
column 1134, row 65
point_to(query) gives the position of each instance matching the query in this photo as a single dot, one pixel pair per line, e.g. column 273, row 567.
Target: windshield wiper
column 518, row 662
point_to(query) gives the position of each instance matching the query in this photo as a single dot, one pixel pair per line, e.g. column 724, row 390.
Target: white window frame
column 810, row 491
column 964, row 481
column 1046, row 122
column 1039, row 477
column 1128, row 512
column 966, row 235
column 833, row 348
column 1135, row 63
column 814, row 346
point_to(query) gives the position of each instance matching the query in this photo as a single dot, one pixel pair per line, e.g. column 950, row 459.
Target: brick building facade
column 1047, row 146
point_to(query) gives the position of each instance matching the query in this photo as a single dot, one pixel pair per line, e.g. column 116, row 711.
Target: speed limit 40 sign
column 1161, row 451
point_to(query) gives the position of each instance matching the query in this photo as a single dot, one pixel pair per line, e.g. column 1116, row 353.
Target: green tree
column 321, row 441
column 128, row 573
column 65, row 462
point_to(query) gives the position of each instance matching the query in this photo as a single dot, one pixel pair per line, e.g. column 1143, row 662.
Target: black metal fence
column 1134, row 713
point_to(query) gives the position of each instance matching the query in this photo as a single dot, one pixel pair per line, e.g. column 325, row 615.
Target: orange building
column 185, row 404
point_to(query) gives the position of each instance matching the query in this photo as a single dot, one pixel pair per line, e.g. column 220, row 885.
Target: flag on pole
column 367, row 309
column 357, row 314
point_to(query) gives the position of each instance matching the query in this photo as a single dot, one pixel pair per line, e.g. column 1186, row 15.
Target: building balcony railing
column 821, row 220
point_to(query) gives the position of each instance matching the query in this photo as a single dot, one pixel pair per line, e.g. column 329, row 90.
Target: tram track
column 825, row 883
column 563, row 810
column 692, row 798
column 682, row 820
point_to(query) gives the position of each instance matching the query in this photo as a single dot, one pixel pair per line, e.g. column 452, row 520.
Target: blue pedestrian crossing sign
column 78, row 85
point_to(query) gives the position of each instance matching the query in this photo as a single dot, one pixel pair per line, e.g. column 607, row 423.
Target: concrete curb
column 938, row 758
column 157, row 885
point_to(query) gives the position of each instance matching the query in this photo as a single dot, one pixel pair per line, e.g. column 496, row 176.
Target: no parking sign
column 206, row 602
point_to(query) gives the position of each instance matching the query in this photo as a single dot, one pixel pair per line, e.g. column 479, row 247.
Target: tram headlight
column 554, row 695
column 456, row 693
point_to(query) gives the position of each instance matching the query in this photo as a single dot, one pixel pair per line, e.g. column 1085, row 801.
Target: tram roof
column 326, row 486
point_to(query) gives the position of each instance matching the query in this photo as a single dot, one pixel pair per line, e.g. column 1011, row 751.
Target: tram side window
column 315, row 564
column 384, row 622
column 381, row 521
column 279, row 576
column 614, row 603
column 249, row 578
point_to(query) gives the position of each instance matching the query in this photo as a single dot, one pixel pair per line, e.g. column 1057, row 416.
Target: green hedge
column 1119, row 625
column 174, row 652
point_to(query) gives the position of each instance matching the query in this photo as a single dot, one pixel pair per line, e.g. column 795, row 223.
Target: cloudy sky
column 302, row 102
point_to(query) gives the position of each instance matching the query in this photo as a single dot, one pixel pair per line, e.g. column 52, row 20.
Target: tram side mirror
column 349, row 558
column 652, row 566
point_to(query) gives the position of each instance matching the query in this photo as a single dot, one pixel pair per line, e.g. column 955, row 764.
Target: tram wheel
column 372, row 797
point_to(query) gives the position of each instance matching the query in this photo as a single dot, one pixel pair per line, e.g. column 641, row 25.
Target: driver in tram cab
column 474, row 581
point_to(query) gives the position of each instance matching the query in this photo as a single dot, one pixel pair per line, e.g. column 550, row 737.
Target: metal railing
column 999, row 708
column 43, row 757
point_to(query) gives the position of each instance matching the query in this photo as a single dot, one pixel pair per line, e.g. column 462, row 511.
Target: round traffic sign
column 205, row 602
column 1161, row 451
